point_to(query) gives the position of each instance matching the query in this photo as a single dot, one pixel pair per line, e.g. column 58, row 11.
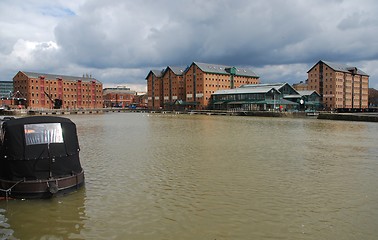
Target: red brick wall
column 74, row 94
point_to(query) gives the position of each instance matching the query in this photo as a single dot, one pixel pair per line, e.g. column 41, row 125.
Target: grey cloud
column 249, row 32
column 113, row 38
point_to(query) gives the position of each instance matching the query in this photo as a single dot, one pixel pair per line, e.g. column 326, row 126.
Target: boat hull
column 32, row 189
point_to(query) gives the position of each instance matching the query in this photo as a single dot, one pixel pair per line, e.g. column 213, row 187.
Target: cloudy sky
column 119, row 41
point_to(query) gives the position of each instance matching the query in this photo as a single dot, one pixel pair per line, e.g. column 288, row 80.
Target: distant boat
column 39, row 157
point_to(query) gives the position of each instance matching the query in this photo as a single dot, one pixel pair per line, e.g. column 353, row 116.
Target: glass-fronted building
column 6, row 89
column 264, row 97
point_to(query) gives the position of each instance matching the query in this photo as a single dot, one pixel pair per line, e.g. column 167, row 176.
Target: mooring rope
column 7, row 191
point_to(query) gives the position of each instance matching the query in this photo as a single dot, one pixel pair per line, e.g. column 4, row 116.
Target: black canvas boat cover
column 39, row 147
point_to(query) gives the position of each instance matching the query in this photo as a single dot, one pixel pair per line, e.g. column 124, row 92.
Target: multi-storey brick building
column 49, row 90
column 301, row 86
column 340, row 86
column 203, row 79
column 118, row 97
column 140, row 100
column 173, row 86
column 155, row 89
column 191, row 87
column 165, row 88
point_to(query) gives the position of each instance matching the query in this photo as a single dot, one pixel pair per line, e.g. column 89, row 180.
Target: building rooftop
column 177, row 70
column 55, row 76
column 341, row 68
column 120, row 90
column 223, row 69
column 307, row 92
column 246, row 90
column 157, row 73
column 261, row 88
column 275, row 85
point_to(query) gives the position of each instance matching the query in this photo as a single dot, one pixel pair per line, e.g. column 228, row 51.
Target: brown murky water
column 153, row 176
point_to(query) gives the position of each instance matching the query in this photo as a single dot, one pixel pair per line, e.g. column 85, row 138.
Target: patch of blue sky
column 57, row 12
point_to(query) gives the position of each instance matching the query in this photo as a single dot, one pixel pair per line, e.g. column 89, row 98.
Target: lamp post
column 302, row 104
column 274, row 100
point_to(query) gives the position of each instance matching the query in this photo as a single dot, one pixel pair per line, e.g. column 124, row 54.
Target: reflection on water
column 57, row 218
column 212, row 177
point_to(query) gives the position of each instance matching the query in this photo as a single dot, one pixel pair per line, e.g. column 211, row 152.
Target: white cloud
column 27, row 51
column 30, row 55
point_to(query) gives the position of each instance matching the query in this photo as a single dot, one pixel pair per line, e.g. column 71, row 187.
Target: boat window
column 43, row 133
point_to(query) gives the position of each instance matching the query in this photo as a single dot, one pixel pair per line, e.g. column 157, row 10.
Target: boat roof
column 38, row 147
column 15, row 142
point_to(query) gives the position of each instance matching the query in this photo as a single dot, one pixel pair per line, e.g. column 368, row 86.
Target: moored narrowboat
column 39, row 157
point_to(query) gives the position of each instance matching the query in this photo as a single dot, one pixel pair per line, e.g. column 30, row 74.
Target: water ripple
column 212, row 177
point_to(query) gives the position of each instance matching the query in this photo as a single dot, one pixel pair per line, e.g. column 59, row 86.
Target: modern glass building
column 264, row 97
column 6, row 89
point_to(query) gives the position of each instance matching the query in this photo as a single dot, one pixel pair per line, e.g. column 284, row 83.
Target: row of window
column 237, row 97
column 236, row 81
column 341, row 79
column 228, row 80
column 64, row 89
column 245, row 81
column 24, row 88
column 173, row 84
column 200, row 86
column 73, row 96
column 173, row 89
column 73, row 103
column 23, row 81
column 71, row 83
column 345, row 92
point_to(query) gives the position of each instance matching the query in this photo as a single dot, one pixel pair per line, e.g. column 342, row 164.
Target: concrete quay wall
column 365, row 117
column 65, row 111
column 250, row 113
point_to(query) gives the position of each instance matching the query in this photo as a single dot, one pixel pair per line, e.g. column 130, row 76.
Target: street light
column 302, row 104
column 274, row 100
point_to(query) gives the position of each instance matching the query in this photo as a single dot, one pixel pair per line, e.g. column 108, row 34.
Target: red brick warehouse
column 48, row 90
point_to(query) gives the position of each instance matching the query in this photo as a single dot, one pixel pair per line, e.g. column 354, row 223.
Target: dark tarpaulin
column 19, row 160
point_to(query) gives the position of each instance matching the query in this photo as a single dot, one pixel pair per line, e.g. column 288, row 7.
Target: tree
column 373, row 97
